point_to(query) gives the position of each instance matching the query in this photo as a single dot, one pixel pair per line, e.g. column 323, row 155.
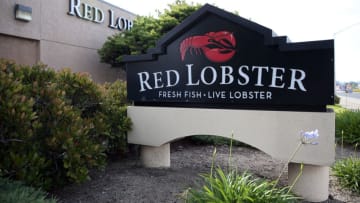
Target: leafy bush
column 214, row 140
column 114, row 106
column 19, row 155
column 348, row 173
column 54, row 126
column 348, row 126
column 15, row 191
column 337, row 99
column 337, row 108
column 145, row 32
column 232, row 187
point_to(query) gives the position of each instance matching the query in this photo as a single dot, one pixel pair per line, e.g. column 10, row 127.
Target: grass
column 347, row 127
column 214, row 140
column 337, row 108
column 17, row 192
column 230, row 186
column 233, row 187
column 348, row 173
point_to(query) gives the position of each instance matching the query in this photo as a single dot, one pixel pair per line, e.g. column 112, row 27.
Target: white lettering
column 130, row 24
column 208, row 75
column 298, row 81
column 87, row 11
column 243, row 75
column 259, row 78
column 226, row 75
column 214, row 75
column 96, row 15
column 275, row 76
column 121, row 23
column 144, row 81
column 190, row 82
column 157, row 80
column 74, row 8
column 111, row 20
column 98, row 18
column 168, row 77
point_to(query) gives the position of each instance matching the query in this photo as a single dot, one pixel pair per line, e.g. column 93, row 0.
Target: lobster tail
column 184, row 46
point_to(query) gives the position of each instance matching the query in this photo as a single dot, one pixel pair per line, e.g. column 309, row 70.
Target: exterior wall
column 58, row 39
column 83, row 60
column 10, row 26
column 23, row 51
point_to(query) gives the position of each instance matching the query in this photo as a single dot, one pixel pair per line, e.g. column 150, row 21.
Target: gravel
column 124, row 180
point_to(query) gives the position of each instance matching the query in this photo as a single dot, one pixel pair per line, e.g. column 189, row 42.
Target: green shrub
column 348, row 173
column 214, row 140
column 15, row 191
column 337, row 99
column 337, row 108
column 347, row 126
column 230, row 186
column 54, row 126
column 114, row 106
column 19, row 155
column 234, row 187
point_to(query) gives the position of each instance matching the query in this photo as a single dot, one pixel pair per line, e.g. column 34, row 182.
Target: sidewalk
column 350, row 103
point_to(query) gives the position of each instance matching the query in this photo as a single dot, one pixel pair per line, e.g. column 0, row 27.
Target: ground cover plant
column 234, row 187
column 347, row 126
column 348, row 173
column 214, row 140
column 15, row 191
column 56, row 126
column 347, row 170
column 230, row 186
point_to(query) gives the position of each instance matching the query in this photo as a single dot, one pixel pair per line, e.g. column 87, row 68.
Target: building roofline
column 270, row 38
column 110, row 4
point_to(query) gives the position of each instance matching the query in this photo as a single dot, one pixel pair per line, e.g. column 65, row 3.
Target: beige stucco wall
column 58, row 26
column 22, row 50
column 63, row 40
column 10, row 26
column 83, row 60
column 276, row 133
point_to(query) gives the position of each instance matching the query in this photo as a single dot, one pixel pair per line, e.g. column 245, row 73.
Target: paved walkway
column 350, row 102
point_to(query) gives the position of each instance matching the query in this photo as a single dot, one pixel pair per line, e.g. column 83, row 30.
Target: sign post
column 216, row 73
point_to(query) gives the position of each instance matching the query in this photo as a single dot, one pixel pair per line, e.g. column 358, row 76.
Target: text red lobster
column 218, row 47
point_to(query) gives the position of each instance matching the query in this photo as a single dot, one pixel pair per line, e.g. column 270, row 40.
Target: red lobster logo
column 218, row 47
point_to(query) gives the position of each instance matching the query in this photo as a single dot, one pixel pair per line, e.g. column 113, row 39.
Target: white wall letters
column 91, row 13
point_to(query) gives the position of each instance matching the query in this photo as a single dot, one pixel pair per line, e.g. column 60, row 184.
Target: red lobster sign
column 218, row 47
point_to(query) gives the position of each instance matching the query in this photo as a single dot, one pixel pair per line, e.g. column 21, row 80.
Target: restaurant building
column 62, row 33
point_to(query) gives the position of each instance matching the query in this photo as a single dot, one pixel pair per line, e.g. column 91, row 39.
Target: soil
column 124, row 180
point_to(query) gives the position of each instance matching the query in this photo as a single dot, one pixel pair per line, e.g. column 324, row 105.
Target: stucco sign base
column 276, row 133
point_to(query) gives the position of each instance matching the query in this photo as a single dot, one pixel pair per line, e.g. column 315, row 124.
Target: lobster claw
column 217, row 46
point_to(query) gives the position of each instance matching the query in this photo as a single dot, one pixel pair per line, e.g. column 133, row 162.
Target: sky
column 300, row 20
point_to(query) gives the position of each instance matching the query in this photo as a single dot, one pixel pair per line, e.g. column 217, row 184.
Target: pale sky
column 300, row 20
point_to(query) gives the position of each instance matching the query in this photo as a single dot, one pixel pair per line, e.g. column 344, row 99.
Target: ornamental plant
column 230, row 186
column 114, row 107
column 19, row 155
column 348, row 173
column 145, row 32
column 53, row 125
column 16, row 191
column 347, row 125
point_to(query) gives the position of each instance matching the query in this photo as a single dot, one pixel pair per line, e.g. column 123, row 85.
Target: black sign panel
column 217, row 59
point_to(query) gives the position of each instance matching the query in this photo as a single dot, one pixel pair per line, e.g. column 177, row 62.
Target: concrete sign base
column 276, row 133
column 313, row 184
column 155, row 157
